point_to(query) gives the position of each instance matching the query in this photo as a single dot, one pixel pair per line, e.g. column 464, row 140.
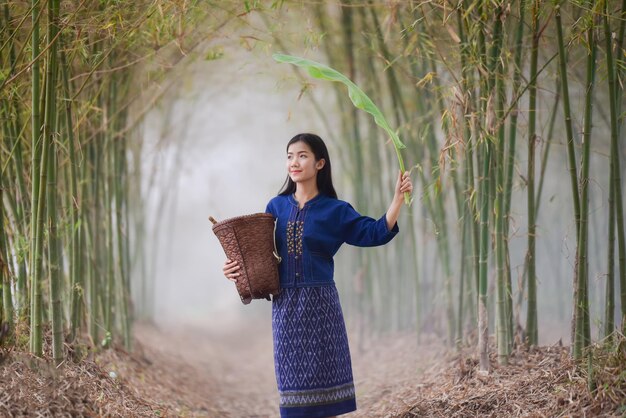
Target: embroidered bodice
column 308, row 238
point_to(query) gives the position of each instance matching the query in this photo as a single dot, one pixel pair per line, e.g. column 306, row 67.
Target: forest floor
column 197, row 373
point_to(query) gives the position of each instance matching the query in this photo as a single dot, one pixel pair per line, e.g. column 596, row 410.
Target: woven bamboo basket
column 249, row 240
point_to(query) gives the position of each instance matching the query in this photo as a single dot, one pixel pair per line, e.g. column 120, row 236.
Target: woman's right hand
column 230, row 270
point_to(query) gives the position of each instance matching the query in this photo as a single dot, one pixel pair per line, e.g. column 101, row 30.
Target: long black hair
column 324, row 176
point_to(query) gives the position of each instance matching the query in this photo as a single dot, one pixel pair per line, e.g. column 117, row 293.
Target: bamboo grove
column 486, row 96
column 68, row 235
column 457, row 78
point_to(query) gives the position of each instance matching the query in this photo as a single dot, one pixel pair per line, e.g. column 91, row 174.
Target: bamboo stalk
column 109, row 174
column 582, row 299
column 22, row 207
column 571, row 154
column 122, row 243
column 517, row 77
column 615, row 187
column 542, row 176
column 483, row 323
column 546, row 150
column 467, row 217
column 54, row 258
column 6, row 302
column 94, row 238
column 496, row 74
column 352, row 125
column 412, row 272
column 37, row 311
column 618, row 90
column 510, row 159
column 76, row 280
column 473, row 200
column 531, row 319
column 439, row 213
column 609, row 311
column 35, row 171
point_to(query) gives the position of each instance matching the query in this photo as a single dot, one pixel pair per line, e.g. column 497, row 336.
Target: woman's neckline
column 311, row 200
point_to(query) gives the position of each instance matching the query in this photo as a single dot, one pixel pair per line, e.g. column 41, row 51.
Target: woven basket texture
column 249, row 240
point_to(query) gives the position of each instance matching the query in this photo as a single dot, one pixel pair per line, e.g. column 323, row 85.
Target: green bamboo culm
column 109, row 273
column 618, row 92
column 74, row 207
column 39, row 173
column 502, row 323
column 50, row 133
column 470, row 217
column 510, row 159
column 401, row 116
column 484, row 159
column 36, row 150
column 483, row 187
column 582, row 331
column 571, row 152
column 51, row 237
column 466, row 261
column 121, row 203
column 434, row 201
column 358, row 97
column 615, row 195
column 13, row 130
column 6, row 301
column 531, row 319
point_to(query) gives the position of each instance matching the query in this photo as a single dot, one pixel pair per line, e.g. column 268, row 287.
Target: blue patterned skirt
column 311, row 353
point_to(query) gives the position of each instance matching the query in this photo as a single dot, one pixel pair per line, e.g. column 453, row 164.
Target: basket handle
column 275, row 249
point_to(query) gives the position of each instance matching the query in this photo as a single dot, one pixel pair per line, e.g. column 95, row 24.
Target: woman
column 311, row 353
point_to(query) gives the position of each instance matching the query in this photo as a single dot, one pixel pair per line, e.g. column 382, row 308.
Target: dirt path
column 230, row 373
column 176, row 372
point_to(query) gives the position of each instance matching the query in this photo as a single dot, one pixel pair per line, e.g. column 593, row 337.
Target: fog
column 215, row 146
column 218, row 145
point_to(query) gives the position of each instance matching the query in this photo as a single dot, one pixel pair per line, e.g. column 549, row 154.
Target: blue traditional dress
column 311, row 353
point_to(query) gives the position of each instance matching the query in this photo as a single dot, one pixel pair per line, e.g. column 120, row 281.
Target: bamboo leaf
column 214, row 54
column 427, row 79
column 358, row 97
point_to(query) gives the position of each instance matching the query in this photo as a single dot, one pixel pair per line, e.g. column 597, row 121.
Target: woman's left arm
column 403, row 184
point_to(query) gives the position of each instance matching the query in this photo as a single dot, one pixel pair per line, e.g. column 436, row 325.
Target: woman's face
column 301, row 164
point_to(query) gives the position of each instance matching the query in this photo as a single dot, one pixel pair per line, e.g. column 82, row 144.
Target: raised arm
column 403, row 184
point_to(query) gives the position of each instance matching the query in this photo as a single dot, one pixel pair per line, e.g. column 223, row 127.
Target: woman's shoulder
column 334, row 205
column 278, row 201
column 336, row 202
column 278, row 198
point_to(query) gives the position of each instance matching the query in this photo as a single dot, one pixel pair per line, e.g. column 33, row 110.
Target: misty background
column 215, row 146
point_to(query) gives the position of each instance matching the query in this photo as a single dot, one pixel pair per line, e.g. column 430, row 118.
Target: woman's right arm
column 230, row 270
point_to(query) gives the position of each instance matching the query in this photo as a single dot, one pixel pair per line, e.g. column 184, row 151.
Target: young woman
column 311, row 353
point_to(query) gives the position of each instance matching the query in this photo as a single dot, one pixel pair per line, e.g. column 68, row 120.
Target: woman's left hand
column 403, row 184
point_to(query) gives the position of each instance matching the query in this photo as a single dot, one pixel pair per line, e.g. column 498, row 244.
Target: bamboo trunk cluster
column 460, row 151
column 453, row 77
column 66, row 233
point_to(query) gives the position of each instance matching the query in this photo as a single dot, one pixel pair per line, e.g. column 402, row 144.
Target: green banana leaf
column 358, row 97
